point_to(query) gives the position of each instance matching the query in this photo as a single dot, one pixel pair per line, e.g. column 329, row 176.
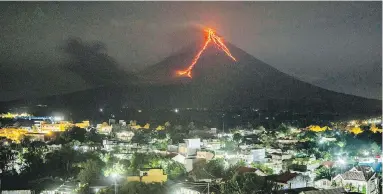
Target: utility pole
column 223, row 126
column 223, row 123
column 115, row 185
column 208, row 188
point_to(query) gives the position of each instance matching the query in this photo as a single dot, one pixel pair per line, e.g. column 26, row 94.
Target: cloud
column 90, row 61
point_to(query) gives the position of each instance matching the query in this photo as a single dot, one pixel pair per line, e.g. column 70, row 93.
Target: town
column 48, row 154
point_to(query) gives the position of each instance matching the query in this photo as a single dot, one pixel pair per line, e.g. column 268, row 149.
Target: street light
column 342, row 163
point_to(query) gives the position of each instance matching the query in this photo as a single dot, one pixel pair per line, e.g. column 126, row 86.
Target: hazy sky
column 335, row 45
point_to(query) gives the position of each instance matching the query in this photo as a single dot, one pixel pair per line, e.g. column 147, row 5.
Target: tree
column 174, row 170
column 323, row 172
column 139, row 187
column 75, row 133
column 167, row 125
column 230, row 146
column 191, row 126
column 248, row 183
column 263, row 168
column 93, row 136
column 375, row 148
column 90, row 171
column 177, row 134
column 140, row 137
column 216, row 167
column 60, row 162
column 237, row 137
column 117, row 168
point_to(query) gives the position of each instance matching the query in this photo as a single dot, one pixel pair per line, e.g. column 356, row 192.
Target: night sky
column 334, row 45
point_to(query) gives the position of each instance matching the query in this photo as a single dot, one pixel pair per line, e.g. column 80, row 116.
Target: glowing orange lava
column 210, row 37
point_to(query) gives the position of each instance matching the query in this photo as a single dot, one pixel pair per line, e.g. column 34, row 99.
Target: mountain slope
column 218, row 83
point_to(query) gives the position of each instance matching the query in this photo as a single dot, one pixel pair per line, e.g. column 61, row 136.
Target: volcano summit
column 226, row 77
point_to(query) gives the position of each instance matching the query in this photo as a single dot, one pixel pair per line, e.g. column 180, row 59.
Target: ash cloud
column 93, row 64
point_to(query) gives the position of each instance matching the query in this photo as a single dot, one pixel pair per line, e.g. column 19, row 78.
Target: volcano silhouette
column 221, row 82
column 218, row 83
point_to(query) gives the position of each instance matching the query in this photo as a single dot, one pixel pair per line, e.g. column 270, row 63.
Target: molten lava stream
column 210, row 37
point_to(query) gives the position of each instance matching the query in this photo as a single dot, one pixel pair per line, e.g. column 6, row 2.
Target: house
column 290, row 180
column 192, row 146
column 259, row 155
column 212, row 144
column 328, row 164
column 325, row 191
column 17, row 192
column 360, row 179
column 280, row 156
column 295, row 191
column 100, row 184
column 287, row 141
column 205, row 155
column 149, row 176
column 322, row 184
column 277, row 166
column 243, row 169
column 195, row 188
column 125, row 135
column 188, row 162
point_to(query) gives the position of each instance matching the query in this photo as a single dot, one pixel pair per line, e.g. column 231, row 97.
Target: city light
column 176, row 110
column 101, row 110
column 341, row 161
column 58, row 118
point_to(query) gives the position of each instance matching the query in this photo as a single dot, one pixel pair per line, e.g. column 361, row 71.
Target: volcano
column 218, row 82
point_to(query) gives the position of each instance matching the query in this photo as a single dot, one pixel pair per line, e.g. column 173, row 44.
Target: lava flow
column 211, row 37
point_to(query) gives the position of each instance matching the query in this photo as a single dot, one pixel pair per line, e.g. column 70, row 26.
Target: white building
column 259, row 155
column 213, row 144
column 289, row 180
column 190, row 147
column 322, row 184
column 360, row 179
column 125, row 135
column 280, row 156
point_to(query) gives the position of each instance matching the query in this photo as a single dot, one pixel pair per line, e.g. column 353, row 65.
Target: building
column 104, row 128
column 244, row 169
column 190, row 147
column 149, row 176
column 280, row 156
column 60, row 126
column 125, row 135
column 359, row 179
column 290, row 180
column 17, row 192
column 200, row 187
column 83, row 124
column 259, row 155
column 213, row 144
column 205, row 155
column 325, row 191
column 322, row 184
